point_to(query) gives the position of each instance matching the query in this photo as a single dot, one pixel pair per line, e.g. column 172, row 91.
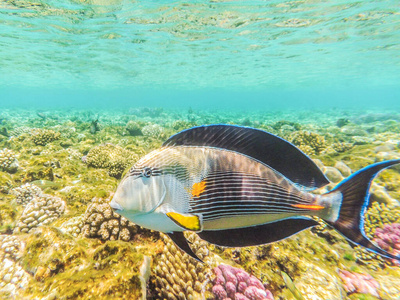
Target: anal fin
column 257, row 235
column 179, row 239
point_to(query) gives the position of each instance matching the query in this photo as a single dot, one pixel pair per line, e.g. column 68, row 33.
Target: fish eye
column 147, row 172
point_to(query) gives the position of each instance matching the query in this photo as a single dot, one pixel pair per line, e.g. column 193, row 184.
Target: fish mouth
column 115, row 206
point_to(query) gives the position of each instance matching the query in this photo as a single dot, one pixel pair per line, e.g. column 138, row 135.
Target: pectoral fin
column 179, row 239
column 186, row 221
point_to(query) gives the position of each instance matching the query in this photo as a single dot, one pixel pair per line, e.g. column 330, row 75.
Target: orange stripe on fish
column 198, row 188
column 308, row 206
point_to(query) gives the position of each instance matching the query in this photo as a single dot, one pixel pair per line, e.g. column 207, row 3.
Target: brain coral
column 8, row 161
column 44, row 136
column 111, row 157
column 25, row 193
column 177, row 276
column 101, row 222
column 41, row 210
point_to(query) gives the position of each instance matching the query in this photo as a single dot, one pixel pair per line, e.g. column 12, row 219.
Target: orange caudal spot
column 308, row 206
column 198, row 188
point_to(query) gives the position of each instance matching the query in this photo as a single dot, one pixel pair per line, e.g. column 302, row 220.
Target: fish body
column 238, row 186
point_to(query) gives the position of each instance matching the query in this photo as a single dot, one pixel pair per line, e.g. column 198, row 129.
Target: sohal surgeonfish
column 236, row 186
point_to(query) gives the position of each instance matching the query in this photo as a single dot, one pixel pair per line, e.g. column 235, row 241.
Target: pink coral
column 359, row 283
column 388, row 238
column 238, row 285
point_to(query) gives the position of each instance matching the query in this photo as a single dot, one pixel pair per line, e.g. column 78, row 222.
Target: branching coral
column 101, row 222
column 44, row 136
column 25, row 193
column 177, row 276
column 41, row 210
column 111, row 157
column 8, row 161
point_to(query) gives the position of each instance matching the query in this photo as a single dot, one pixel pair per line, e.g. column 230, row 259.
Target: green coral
column 368, row 258
column 378, row 215
column 341, row 147
column 111, row 157
column 312, row 143
column 44, row 136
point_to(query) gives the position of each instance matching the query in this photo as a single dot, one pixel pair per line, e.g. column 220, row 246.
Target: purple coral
column 231, row 283
column 359, row 283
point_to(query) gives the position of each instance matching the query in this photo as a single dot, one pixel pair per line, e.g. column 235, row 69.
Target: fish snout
column 115, row 206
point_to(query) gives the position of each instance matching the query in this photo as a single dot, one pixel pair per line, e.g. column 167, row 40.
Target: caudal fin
column 355, row 199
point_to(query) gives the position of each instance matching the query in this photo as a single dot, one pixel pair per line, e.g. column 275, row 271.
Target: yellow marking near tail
column 190, row 222
column 309, row 206
column 198, row 188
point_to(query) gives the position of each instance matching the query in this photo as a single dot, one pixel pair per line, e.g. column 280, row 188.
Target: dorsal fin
column 269, row 149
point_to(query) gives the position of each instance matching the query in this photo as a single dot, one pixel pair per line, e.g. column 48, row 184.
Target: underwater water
column 87, row 88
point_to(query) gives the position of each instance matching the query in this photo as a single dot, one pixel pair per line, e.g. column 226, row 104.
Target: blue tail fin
column 355, row 199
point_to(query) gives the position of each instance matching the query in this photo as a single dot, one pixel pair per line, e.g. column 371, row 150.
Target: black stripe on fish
column 265, row 147
column 235, row 193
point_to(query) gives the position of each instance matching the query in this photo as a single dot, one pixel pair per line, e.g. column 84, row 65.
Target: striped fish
column 237, row 186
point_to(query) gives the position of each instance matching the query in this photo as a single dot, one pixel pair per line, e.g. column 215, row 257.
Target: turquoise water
column 200, row 53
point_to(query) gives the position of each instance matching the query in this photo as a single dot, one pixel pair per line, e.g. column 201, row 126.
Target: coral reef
column 388, row 238
column 12, row 276
column 237, row 284
column 73, row 226
column 178, row 276
column 111, row 157
column 342, row 147
column 370, row 259
column 359, row 283
column 309, row 142
column 133, row 128
column 154, row 130
column 25, row 193
column 44, row 136
column 87, row 251
column 8, row 161
column 100, row 221
column 41, row 210
column 20, row 130
column 378, row 215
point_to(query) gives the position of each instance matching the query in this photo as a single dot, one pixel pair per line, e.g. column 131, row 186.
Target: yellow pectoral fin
column 189, row 222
